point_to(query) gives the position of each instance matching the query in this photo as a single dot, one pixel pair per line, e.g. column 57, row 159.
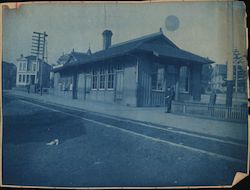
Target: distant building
column 241, row 78
column 8, row 75
column 28, row 71
column 219, row 77
column 132, row 73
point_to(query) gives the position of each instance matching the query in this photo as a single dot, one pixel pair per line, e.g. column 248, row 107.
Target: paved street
column 96, row 150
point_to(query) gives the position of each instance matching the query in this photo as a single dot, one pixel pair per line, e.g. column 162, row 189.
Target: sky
column 202, row 26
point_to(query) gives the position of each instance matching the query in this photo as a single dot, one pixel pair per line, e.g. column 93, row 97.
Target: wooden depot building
column 133, row 73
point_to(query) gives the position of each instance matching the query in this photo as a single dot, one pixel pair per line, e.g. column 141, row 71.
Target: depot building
column 133, row 73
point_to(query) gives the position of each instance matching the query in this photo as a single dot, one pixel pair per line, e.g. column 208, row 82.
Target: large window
column 34, row 67
column 20, row 78
column 23, row 78
column 28, row 78
column 88, row 83
column 94, row 79
column 102, row 78
column 110, row 77
column 20, row 66
column 184, row 85
column 24, row 66
column 158, row 77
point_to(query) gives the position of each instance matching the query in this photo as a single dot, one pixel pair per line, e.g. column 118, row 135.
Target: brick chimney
column 107, row 35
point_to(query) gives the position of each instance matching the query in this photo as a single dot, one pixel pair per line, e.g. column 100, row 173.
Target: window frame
column 102, row 78
column 20, row 66
column 94, row 81
column 24, row 66
column 187, row 80
column 23, row 78
column 19, row 78
column 158, row 77
column 110, row 77
column 34, row 67
column 28, row 78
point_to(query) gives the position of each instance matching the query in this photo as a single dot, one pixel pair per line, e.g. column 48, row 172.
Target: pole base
column 229, row 95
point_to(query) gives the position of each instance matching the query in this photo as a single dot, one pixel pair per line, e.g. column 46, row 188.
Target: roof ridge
column 78, row 52
column 136, row 39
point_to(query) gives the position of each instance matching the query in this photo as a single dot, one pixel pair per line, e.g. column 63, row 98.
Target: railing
column 221, row 112
column 157, row 98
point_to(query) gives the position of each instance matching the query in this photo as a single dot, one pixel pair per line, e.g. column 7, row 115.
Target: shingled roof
column 73, row 57
column 168, row 51
column 167, row 48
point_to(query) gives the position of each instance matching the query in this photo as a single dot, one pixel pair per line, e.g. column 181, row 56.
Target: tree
column 239, row 71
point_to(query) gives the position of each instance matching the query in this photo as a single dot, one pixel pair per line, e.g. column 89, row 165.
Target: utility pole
column 38, row 49
column 230, row 46
column 236, row 65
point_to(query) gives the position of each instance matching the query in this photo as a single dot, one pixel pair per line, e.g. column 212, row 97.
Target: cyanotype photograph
column 124, row 94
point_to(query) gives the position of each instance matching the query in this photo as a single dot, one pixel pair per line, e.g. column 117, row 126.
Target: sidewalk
column 237, row 131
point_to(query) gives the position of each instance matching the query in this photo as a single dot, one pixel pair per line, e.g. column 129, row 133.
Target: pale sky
column 202, row 29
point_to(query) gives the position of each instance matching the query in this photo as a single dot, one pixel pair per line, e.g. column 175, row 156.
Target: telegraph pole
column 38, row 49
column 230, row 39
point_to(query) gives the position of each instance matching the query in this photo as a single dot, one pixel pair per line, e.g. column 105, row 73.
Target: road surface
column 96, row 150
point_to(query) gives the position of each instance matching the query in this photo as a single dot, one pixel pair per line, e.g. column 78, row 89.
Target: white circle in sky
column 172, row 23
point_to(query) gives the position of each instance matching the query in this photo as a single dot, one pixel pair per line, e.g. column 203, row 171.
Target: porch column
column 196, row 82
column 177, row 83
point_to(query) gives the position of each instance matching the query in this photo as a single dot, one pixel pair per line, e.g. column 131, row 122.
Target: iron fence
column 235, row 113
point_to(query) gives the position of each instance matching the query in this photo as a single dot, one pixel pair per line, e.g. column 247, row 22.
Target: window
column 94, row 79
column 29, row 66
column 70, row 86
column 88, row 82
column 119, row 67
column 184, row 83
column 23, row 78
column 110, row 77
column 20, row 78
column 34, row 67
column 24, row 66
column 20, row 66
column 158, row 77
column 102, row 78
column 28, row 79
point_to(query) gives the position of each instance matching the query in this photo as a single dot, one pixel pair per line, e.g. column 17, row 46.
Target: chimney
column 107, row 35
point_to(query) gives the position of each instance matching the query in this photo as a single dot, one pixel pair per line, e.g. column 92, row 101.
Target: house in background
column 28, row 71
column 132, row 73
column 219, row 77
column 8, row 75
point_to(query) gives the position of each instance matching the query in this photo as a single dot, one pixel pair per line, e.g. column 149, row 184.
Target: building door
column 119, row 79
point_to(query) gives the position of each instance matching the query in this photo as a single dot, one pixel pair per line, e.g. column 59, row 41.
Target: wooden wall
column 105, row 95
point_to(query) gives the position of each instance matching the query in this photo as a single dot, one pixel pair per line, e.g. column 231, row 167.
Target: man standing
column 169, row 96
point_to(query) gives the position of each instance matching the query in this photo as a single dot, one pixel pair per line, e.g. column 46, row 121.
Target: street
column 97, row 150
